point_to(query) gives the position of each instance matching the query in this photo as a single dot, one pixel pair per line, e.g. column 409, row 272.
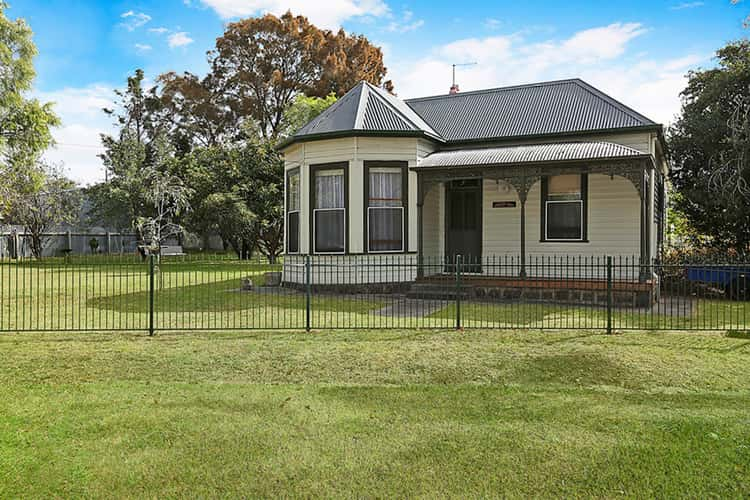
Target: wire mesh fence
column 199, row 292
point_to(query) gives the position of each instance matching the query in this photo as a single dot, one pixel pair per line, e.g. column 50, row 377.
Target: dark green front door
column 464, row 222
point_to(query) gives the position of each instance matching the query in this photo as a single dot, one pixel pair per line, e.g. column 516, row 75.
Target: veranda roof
column 530, row 154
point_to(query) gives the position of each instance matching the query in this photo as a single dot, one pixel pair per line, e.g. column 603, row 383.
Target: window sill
column 564, row 241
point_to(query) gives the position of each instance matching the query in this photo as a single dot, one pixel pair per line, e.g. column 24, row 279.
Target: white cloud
column 78, row 143
column 142, row 47
column 405, row 24
column 159, row 31
column 329, row 14
column 134, row 20
column 598, row 55
column 687, row 5
column 492, row 24
column 179, row 39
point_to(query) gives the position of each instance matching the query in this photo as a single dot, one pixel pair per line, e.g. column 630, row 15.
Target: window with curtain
column 564, row 208
column 329, row 212
column 385, row 210
column 292, row 211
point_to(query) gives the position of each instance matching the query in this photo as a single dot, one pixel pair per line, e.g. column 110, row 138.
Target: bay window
column 292, row 210
column 564, row 208
column 386, row 209
column 329, row 210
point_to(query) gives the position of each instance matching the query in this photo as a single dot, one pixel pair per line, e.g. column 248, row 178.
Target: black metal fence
column 113, row 293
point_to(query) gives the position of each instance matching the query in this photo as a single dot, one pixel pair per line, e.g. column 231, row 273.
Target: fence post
column 308, row 292
column 151, row 295
column 609, row 295
column 458, row 292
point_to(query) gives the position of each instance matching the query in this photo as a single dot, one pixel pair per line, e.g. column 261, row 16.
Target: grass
column 375, row 414
column 112, row 293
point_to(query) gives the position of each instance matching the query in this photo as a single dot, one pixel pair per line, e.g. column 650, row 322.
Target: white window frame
column 546, row 220
column 403, row 229
column 289, row 175
column 313, row 180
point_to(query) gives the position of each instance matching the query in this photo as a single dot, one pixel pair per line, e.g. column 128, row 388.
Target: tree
column 709, row 143
column 169, row 198
column 237, row 192
column 347, row 60
column 217, row 176
column 139, row 146
column 24, row 123
column 265, row 196
column 303, row 110
column 197, row 111
column 39, row 210
column 262, row 64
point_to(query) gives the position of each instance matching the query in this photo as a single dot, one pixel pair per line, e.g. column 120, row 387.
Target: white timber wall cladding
column 351, row 269
column 613, row 221
column 355, row 151
column 502, row 226
column 431, row 223
column 642, row 141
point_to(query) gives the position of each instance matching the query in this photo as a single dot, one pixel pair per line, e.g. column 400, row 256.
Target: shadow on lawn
column 223, row 296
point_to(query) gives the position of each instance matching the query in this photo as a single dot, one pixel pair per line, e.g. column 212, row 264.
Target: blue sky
column 638, row 51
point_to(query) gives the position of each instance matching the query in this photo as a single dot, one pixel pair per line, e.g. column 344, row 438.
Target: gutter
column 357, row 133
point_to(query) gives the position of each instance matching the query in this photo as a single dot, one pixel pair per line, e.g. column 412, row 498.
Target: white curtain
column 386, row 219
column 385, row 187
column 329, row 189
column 330, row 213
column 564, row 187
column 293, row 192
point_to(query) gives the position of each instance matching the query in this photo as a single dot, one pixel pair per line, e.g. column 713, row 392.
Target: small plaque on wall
column 503, row 204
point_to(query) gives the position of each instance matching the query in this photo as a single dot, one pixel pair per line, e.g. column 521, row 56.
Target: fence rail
column 126, row 293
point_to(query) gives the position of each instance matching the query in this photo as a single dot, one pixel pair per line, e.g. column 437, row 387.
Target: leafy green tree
column 709, row 144
column 303, row 110
column 24, row 123
column 57, row 201
column 237, row 192
column 139, row 146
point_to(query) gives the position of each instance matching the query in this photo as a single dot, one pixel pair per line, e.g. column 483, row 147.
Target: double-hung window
column 292, row 211
column 329, row 210
column 564, row 208
column 385, row 209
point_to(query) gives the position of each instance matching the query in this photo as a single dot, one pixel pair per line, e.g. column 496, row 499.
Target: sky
column 637, row 51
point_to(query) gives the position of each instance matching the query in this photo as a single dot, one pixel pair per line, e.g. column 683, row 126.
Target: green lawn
column 204, row 293
column 375, row 414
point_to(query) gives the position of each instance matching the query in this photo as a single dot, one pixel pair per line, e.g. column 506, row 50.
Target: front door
column 464, row 222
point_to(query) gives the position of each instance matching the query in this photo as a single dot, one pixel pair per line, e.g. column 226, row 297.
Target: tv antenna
column 459, row 65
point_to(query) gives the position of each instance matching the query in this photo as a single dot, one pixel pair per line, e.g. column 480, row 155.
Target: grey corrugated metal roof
column 532, row 153
column 366, row 108
column 566, row 106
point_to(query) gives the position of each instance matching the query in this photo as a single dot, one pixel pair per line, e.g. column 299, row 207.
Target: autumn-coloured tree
column 197, row 110
column 347, row 60
column 261, row 64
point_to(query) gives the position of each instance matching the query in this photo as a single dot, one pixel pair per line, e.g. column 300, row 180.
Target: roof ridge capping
column 403, row 110
column 577, row 81
column 494, row 89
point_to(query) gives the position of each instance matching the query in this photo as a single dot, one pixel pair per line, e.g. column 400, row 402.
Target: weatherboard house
column 380, row 190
